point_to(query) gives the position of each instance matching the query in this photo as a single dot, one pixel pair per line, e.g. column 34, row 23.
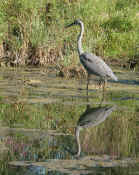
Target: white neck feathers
column 79, row 40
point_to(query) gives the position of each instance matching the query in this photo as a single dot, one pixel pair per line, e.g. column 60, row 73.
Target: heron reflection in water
column 90, row 118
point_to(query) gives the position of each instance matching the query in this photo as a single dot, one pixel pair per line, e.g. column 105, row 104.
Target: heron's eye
column 89, row 60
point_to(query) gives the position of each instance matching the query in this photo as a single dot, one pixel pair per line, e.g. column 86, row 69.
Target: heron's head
column 76, row 22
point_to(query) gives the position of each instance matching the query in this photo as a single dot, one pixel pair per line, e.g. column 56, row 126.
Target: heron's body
column 95, row 65
column 92, row 63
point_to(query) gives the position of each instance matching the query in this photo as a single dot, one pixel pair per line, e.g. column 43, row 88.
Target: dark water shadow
column 125, row 98
column 128, row 82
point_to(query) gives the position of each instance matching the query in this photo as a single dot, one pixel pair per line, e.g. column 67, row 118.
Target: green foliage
column 119, row 24
column 111, row 27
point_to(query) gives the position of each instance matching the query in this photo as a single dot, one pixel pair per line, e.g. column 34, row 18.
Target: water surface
column 40, row 112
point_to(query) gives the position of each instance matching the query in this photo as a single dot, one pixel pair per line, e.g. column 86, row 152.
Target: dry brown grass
column 72, row 72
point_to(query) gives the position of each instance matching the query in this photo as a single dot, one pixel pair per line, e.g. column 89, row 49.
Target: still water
column 49, row 126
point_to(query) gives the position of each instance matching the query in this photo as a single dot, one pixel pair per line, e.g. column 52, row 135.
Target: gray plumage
column 95, row 65
column 94, row 116
column 90, row 118
column 92, row 63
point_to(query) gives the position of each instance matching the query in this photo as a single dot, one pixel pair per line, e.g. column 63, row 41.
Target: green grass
column 111, row 27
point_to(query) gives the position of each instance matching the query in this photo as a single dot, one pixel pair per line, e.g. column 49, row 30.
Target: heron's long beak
column 70, row 25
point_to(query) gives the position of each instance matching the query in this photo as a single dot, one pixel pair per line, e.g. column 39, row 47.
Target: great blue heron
column 90, row 118
column 92, row 63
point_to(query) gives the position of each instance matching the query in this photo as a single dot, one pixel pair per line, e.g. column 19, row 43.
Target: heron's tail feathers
column 114, row 77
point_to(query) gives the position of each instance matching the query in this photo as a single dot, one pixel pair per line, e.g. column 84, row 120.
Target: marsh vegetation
column 42, row 87
column 32, row 33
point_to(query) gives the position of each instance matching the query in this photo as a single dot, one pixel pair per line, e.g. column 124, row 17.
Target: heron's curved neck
column 78, row 140
column 79, row 40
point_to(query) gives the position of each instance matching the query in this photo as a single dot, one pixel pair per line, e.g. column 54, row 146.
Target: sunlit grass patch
column 111, row 30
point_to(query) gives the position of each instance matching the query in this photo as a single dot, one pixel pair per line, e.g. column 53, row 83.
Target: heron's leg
column 100, row 83
column 88, row 78
column 104, row 85
column 102, row 99
column 104, row 90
